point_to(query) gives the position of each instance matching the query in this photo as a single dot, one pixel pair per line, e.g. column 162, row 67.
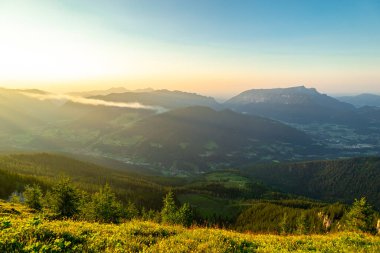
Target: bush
column 33, row 196
column 16, row 198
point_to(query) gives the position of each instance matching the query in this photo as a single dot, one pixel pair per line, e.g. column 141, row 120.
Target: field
column 22, row 231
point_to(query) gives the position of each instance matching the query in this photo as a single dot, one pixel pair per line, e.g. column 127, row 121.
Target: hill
column 226, row 198
column 22, row 231
column 18, row 170
column 107, row 92
column 294, row 105
column 183, row 140
column 164, row 98
column 20, row 113
column 362, row 100
column 339, row 180
column 198, row 139
column 346, row 131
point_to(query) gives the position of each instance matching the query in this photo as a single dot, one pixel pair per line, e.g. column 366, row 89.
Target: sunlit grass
column 24, row 231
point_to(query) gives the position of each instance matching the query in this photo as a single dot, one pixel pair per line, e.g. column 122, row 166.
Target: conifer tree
column 172, row 215
column 169, row 210
column 131, row 211
column 64, row 199
column 284, row 229
column 33, row 196
column 301, row 224
column 360, row 217
column 104, row 206
column 185, row 215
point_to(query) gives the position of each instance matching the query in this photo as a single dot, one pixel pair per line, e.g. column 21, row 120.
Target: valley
column 190, row 137
column 189, row 126
column 254, row 167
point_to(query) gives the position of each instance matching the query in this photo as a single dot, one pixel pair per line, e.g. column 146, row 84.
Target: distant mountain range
column 165, row 98
column 294, row 105
column 362, row 100
column 107, row 92
column 195, row 133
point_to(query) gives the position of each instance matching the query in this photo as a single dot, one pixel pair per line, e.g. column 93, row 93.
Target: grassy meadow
column 22, row 230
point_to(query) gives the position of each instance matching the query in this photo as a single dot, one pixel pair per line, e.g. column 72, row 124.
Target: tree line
column 65, row 201
column 303, row 217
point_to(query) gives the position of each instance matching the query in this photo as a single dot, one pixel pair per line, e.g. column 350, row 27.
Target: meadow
column 23, row 230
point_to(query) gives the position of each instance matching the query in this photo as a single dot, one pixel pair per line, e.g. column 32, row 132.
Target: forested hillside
column 22, row 169
column 338, row 180
column 253, row 199
column 196, row 139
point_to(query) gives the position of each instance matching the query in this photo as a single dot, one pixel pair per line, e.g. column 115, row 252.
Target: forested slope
column 17, row 170
column 335, row 180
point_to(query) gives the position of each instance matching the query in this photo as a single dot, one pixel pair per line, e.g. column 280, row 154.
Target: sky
column 217, row 48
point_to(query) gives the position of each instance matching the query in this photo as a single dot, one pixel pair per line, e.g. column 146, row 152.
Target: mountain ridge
column 361, row 100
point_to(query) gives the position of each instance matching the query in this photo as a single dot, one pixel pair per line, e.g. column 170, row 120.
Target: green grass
column 24, row 231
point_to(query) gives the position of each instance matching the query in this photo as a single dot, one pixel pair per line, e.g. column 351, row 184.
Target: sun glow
column 28, row 53
column 70, row 46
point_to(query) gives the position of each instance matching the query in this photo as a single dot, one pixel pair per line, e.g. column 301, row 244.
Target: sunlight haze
column 210, row 47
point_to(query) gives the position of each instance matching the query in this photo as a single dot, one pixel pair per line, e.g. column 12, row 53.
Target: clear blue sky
column 206, row 46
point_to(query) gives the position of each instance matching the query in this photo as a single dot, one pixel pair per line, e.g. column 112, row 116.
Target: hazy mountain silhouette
column 107, row 92
column 19, row 112
column 165, row 98
column 295, row 105
column 195, row 138
column 362, row 100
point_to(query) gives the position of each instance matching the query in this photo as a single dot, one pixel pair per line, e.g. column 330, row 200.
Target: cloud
column 94, row 102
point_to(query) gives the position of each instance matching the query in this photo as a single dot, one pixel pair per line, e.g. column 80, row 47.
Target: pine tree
column 185, row 215
column 301, row 224
column 284, row 229
column 360, row 217
column 64, row 199
column 169, row 210
column 131, row 211
column 104, row 206
column 33, row 196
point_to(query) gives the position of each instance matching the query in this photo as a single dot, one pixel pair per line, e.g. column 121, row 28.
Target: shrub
column 33, row 196
column 15, row 198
